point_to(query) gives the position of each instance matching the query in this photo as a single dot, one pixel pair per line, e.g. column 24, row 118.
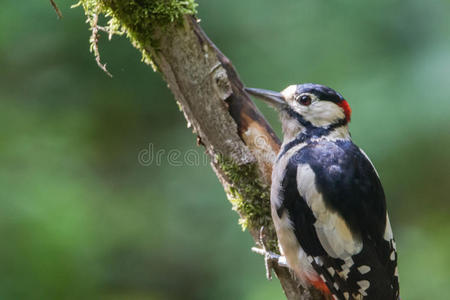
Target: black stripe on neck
column 310, row 131
column 299, row 118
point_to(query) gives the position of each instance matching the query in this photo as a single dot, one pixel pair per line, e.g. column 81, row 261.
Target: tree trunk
column 241, row 144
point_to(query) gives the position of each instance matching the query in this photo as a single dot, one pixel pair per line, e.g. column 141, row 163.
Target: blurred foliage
column 82, row 218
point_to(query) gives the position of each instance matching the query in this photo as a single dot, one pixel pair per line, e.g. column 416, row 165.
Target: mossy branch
column 138, row 20
column 250, row 197
column 241, row 144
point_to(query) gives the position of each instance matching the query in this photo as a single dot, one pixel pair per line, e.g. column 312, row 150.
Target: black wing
column 349, row 186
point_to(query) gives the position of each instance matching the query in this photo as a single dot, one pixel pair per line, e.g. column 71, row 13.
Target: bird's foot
column 270, row 258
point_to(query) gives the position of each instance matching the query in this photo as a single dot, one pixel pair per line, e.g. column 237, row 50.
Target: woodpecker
column 328, row 205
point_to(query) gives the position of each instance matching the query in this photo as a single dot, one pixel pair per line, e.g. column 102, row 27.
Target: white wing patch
column 332, row 230
column 364, row 285
column 363, row 269
column 392, row 257
column 388, row 236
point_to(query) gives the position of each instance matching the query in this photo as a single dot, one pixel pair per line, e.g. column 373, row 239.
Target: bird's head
column 306, row 106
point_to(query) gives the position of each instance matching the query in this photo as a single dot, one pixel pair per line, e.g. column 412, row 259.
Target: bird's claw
column 270, row 258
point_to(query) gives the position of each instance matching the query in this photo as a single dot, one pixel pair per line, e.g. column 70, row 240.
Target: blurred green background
column 81, row 218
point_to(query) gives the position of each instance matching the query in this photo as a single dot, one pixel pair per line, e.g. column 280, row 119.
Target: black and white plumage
column 328, row 204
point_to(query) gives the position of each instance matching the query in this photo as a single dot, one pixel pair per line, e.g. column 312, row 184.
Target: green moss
column 137, row 19
column 249, row 197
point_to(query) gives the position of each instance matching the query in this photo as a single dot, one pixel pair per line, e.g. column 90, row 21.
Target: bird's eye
column 304, row 100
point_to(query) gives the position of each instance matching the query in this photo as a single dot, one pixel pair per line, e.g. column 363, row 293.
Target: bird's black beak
column 271, row 97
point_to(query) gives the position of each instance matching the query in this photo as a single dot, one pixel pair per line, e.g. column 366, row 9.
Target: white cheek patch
column 320, row 113
column 332, row 230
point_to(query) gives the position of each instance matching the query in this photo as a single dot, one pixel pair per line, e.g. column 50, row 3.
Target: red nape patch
column 321, row 286
column 347, row 110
